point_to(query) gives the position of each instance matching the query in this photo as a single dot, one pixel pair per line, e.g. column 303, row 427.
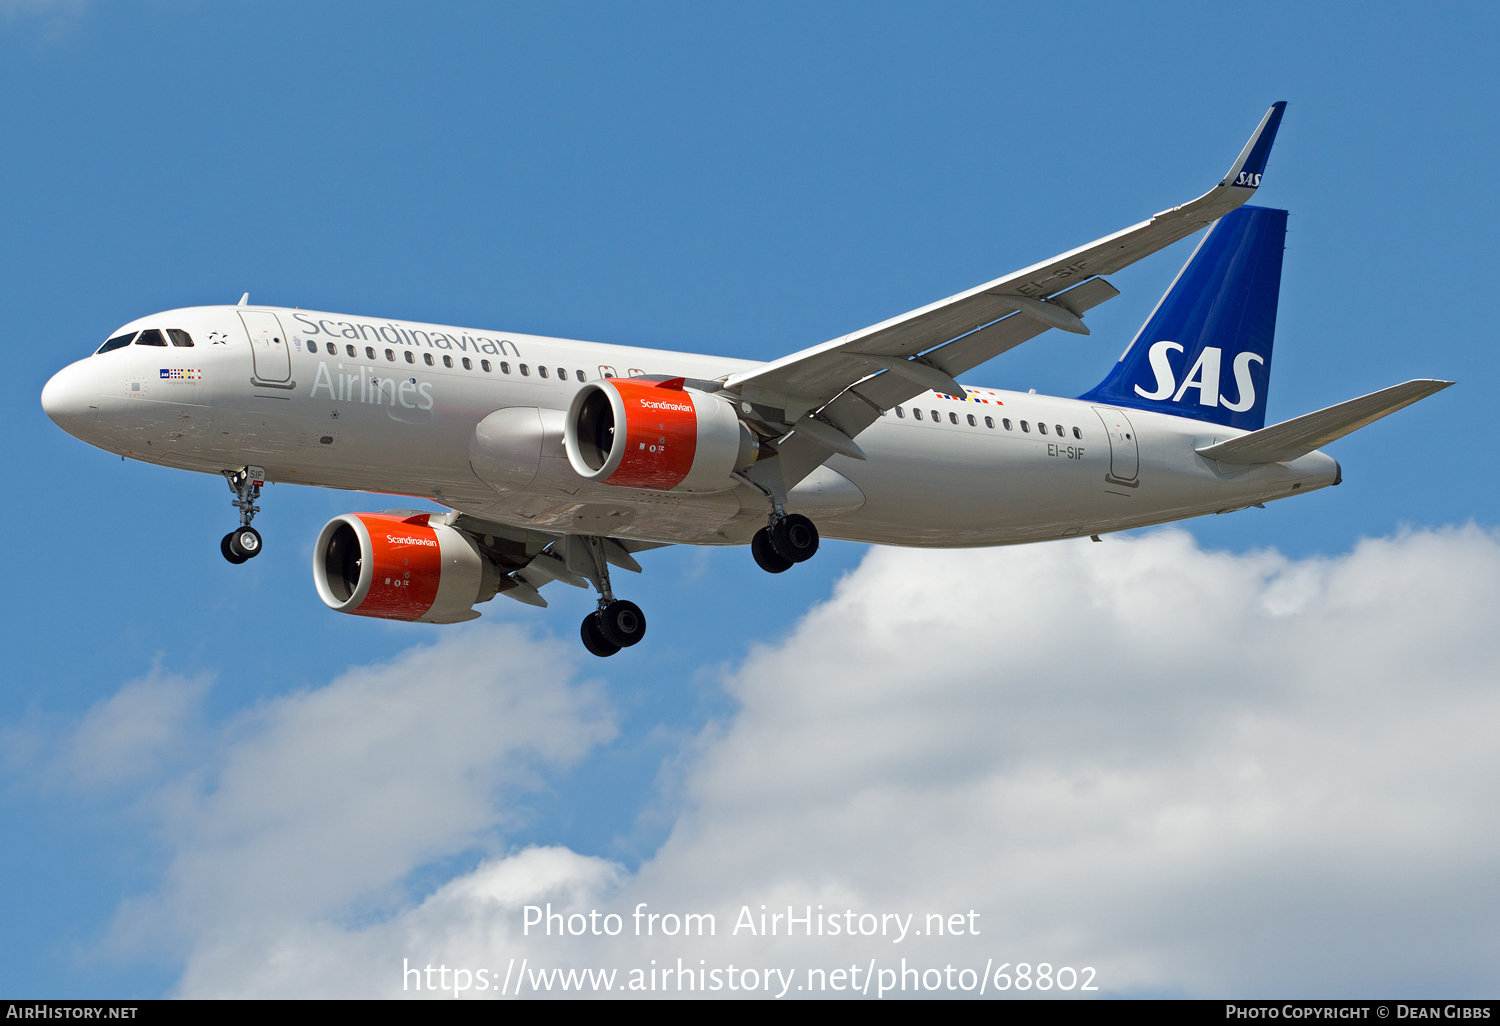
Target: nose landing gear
column 244, row 542
column 240, row 545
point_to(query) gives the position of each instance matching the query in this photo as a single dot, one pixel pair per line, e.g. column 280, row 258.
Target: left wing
column 927, row 348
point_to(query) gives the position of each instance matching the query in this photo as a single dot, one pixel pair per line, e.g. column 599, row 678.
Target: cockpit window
column 180, row 338
column 118, row 342
column 151, row 337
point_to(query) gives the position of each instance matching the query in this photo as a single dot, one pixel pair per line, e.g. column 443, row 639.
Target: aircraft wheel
column 766, row 556
column 228, row 552
column 795, row 538
column 622, row 623
column 594, row 639
column 245, row 542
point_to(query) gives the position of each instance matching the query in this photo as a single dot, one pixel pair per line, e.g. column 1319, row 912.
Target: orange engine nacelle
column 401, row 568
column 657, row 435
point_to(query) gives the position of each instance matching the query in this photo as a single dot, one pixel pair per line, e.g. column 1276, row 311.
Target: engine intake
column 401, row 568
column 656, row 435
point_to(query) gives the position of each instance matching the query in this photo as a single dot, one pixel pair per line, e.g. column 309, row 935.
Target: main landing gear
column 617, row 623
column 788, row 539
column 244, row 541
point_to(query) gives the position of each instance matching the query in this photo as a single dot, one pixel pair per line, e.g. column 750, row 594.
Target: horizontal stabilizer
column 1299, row 436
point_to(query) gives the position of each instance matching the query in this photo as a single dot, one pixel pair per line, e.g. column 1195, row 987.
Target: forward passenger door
column 268, row 344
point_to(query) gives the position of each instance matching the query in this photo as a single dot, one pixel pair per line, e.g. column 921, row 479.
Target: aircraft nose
column 71, row 399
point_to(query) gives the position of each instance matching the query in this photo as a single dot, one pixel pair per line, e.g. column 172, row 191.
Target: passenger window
column 486, row 365
column 118, row 342
column 427, row 359
column 1077, row 433
column 953, row 417
column 180, row 338
column 937, row 418
column 350, row 351
column 389, row 355
column 151, row 337
column 312, row 347
column 369, row 352
column 972, row 421
column 1060, row 431
column 504, row 367
column 1041, row 427
column 542, row 371
column 409, row 357
column 916, row 413
column 580, row 375
column 562, row 374
column 468, row 364
column 900, row 413
column 525, row 371
column 1005, row 421
column 989, row 422
column 447, row 361
column 1025, row 426
column 333, row 350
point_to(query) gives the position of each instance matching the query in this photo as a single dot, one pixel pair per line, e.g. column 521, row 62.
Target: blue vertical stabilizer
column 1205, row 351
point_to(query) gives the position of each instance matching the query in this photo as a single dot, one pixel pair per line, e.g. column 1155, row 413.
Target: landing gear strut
column 617, row 623
column 244, row 542
column 787, row 538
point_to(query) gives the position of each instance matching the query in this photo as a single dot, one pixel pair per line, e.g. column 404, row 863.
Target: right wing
column 1299, row 436
column 927, row 348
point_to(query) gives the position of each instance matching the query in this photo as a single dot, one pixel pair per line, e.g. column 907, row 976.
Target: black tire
column 228, row 553
column 766, row 556
column 594, row 640
column 622, row 623
column 245, row 542
column 795, row 538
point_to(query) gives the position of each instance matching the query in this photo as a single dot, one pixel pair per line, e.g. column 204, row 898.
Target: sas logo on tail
column 1249, row 180
column 1204, row 377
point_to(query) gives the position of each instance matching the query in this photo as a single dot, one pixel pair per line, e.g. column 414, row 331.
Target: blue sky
column 745, row 182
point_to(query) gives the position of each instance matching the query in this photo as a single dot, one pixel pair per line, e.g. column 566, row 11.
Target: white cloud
column 126, row 740
column 129, row 735
column 56, row 17
column 1199, row 773
column 322, row 802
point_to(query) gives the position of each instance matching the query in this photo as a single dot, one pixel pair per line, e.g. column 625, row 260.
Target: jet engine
column 401, row 568
column 656, row 434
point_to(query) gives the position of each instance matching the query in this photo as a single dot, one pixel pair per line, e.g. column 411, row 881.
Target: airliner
column 556, row 459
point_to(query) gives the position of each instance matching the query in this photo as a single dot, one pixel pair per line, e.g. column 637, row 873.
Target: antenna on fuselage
column 244, row 300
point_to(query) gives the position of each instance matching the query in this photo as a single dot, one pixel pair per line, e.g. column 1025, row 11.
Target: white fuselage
column 393, row 407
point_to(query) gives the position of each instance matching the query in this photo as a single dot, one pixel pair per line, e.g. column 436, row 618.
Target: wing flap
column 1299, row 436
